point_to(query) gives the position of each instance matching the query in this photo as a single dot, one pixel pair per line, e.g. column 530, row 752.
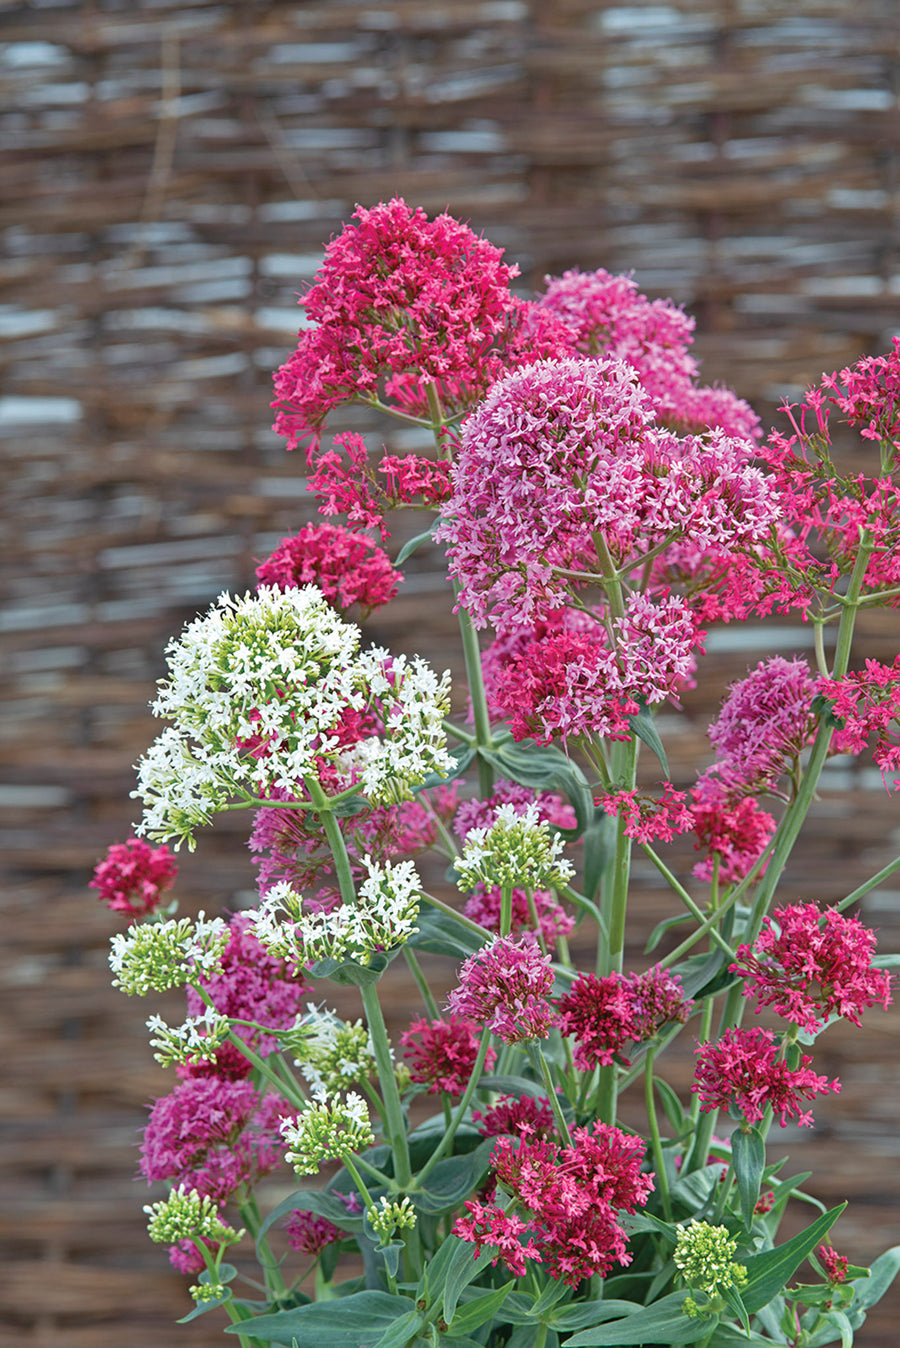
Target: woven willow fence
column 170, row 172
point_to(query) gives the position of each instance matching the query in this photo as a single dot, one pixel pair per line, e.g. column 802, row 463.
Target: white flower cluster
column 258, row 694
column 161, row 955
column 331, row 1053
column 383, row 917
column 327, row 1129
column 388, row 1216
column 518, row 849
column 197, row 1040
column 188, row 1215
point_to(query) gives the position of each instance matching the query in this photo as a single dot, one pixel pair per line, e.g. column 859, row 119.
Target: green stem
column 396, row 1123
column 537, row 1057
column 446, row 1141
column 615, row 902
column 421, row 983
column 335, row 839
column 662, row 1178
column 459, row 917
column 285, row 1088
column 475, row 677
column 275, row 1285
column 686, row 899
column 505, row 909
column 869, row 884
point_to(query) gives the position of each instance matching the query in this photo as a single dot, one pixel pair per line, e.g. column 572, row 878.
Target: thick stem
column 615, row 901
column 446, row 1141
column 478, row 696
column 662, row 1179
column 396, row 1123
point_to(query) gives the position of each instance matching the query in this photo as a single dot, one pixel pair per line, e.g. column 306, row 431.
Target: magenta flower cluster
column 133, row 877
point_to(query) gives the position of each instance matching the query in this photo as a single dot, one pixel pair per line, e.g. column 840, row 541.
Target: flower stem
column 396, row 1123
column 655, row 1141
column 444, row 1145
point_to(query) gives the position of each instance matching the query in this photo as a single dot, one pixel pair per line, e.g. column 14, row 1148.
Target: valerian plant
column 600, row 509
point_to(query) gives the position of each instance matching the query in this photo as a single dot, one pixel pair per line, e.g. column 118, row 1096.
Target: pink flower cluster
column 520, row 1116
column 867, row 704
column 309, row 1233
column 504, row 987
column 734, row 833
column 572, row 1195
column 218, row 1137
column 347, row 567
column 563, row 452
column 607, row 315
column 742, row 1072
column 604, row 1014
column 133, row 877
column 482, row 813
column 537, row 911
column 252, row 985
column 442, row 1053
column 809, row 965
column 344, row 481
column 650, row 818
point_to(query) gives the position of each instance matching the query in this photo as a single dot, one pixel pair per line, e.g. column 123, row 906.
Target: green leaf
column 518, row 1309
column 361, row 1319
column 441, row 934
column 453, row 1180
column 671, row 1104
column 481, row 1307
column 882, row 1273
column 663, row 1322
column 726, row 1336
column 320, row 1201
column 464, row 755
column 345, row 809
column 411, row 544
column 349, row 973
column 832, row 1324
column 507, row 1084
column 644, row 727
column 203, row 1306
column 667, row 924
column 748, row 1157
column 545, row 767
column 586, row 1314
column 463, row 1268
column 769, row 1271
column 732, row 1298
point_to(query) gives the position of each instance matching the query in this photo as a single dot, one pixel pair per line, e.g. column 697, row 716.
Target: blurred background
column 170, row 174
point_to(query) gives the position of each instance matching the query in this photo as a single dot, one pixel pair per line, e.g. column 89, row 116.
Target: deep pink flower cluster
column 562, row 453
column 604, row 1014
column 650, row 818
column 733, row 832
column 868, row 705
column 310, row 1233
column 133, row 877
column 344, row 481
column 573, row 1194
column 764, row 724
column 484, row 907
column 504, row 986
column 606, row 315
column 809, row 965
column 442, row 1053
column 252, row 985
column 215, row 1136
column 868, row 394
column 347, row 567
column 743, row 1074
column 519, row 1116
column 836, row 1265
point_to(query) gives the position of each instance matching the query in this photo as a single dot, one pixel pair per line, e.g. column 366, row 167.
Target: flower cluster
column 133, row 877
column 744, row 1074
column 520, row 1116
column 532, row 912
column 187, row 1215
column 572, row 1194
column 214, row 1137
column 482, row 814
column 867, row 705
column 809, row 965
column 326, row 1130
column 259, row 691
column 518, row 849
column 161, row 955
column 504, row 988
column 441, row 1054
column 347, row 567
column 603, row 1014
column 331, row 1053
column 734, row 833
column 704, row 1256
column 388, row 1216
column 647, row 818
column 309, row 1233
column 197, row 1045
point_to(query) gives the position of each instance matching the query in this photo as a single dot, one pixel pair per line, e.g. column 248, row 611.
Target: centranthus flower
column 259, row 692
column 215, row 1137
column 503, row 986
column 596, row 1012
column 867, row 705
column 647, row 818
column 310, row 1233
column 704, row 1256
column 347, row 567
column 520, row 1116
column 328, row 1129
column 188, row 1215
column 161, row 955
column 809, row 965
column 518, row 849
column 477, row 813
column 532, row 911
column 734, row 833
column 742, row 1073
column 195, row 1045
column 133, row 877
column 764, row 724
column 563, row 467
column 382, row 918
column 332, row 1053
column 836, row 1265
column 655, row 998
column 441, row 1054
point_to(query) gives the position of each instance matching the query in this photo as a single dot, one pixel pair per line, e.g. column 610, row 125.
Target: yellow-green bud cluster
column 704, row 1255
column 207, row 1291
column 518, row 849
column 327, row 1130
column 156, row 956
column 332, row 1053
column 386, row 1217
column 188, row 1215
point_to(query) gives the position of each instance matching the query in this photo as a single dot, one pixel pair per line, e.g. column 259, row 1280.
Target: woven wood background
column 170, row 172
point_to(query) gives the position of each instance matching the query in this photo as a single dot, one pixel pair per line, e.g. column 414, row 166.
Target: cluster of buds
column 518, row 849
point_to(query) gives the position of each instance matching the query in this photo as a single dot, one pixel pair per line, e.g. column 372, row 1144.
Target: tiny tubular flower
column 743, row 1074
column 388, row 1216
column 163, row 955
column 331, row 1053
column 503, row 986
column 704, row 1255
column 188, row 1215
column 518, row 849
column 328, row 1129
